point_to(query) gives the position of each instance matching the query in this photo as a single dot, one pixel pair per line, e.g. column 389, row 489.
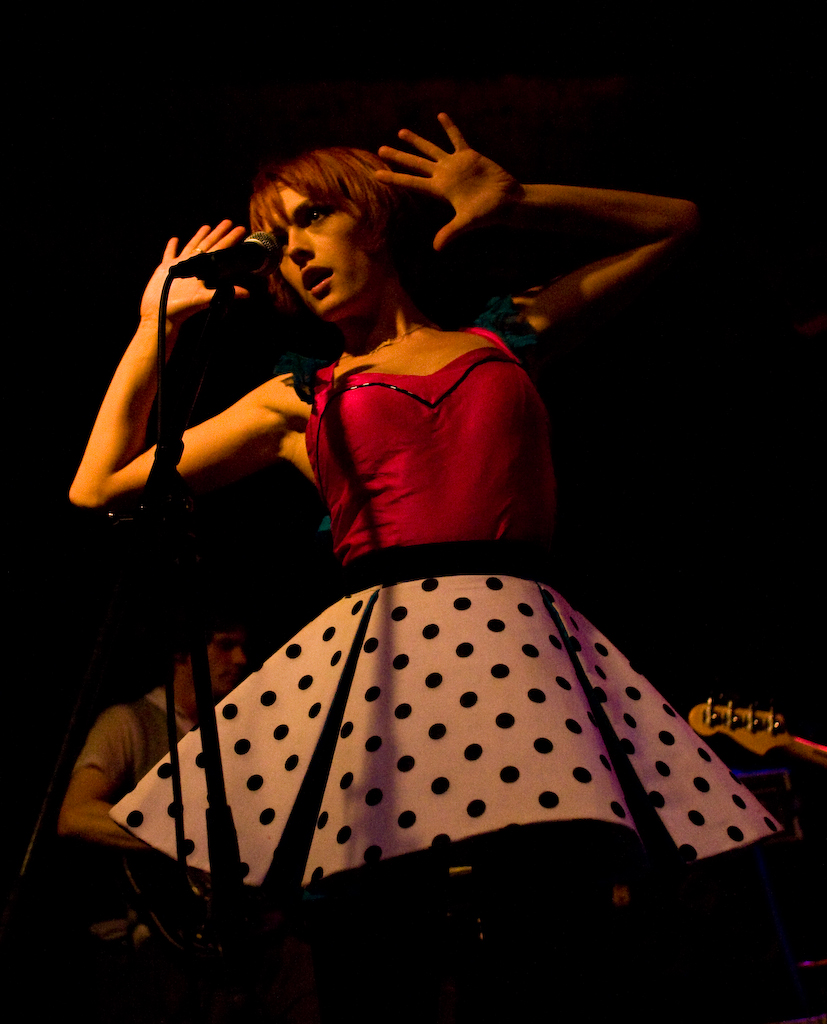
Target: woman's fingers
column 409, row 160
column 453, row 133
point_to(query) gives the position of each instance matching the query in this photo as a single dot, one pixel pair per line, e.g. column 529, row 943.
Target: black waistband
column 424, row 561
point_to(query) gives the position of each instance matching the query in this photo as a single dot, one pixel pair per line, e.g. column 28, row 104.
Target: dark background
column 684, row 432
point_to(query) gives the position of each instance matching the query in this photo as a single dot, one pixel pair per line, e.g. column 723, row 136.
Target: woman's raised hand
column 188, row 295
column 475, row 186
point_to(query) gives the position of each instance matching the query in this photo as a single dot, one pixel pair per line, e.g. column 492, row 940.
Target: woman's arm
column 253, row 433
column 640, row 232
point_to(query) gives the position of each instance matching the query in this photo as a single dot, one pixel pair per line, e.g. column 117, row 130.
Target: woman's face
column 325, row 261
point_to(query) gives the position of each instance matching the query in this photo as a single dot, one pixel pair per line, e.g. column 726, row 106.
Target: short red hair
column 339, row 177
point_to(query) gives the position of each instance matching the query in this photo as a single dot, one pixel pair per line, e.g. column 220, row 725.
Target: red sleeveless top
column 462, row 454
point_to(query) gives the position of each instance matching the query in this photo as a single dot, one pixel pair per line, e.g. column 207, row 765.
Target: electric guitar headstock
column 753, row 728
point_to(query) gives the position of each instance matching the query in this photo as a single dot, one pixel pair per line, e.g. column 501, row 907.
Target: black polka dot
column 657, row 799
column 669, row 711
column 255, row 782
column 607, row 764
column 525, row 609
column 701, row 784
column 440, row 785
column 633, row 692
column 398, row 614
column 735, row 833
column 573, row 726
column 346, row 780
column 267, row 816
column 500, row 671
column 496, row 625
column 372, row 693
column 493, row 583
column 473, row 752
column 548, row 799
column 373, row 854
column 165, row 770
column 441, row 840
column 771, row 825
column 739, row 801
column 601, row 649
column 337, row 657
column 630, row 721
column 599, row 671
column 437, row 731
column 666, row 738
column 229, row 711
column 268, row 698
column 543, row 745
column 373, row 743
column 356, row 608
column 433, row 680
column 505, row 720
column 468, row 700
column 292, row 762
column 574, row 643
column 662, row 768
column 510, row 773
column 242, row 746
column 431, row 631
column 200, row 759
column 343, row 835
column 688, row 853
column 563, row 682
column 401, row 661
column 314, row 711
column 582, row 774
column 346, row 730
column 406, row 819
column 599, row 695
column 627, row 746
column 174, row 809
column 705, row 755
column 370, row 645
column 405, row 763
column 477, row 807
column 402, row 711
column 318, row 875
column 134, row 819
column 537, row 696
column 530, row 651
column 305, row 682
column 465, row 650
column 462, row 604
column 553, row 640
column 617, row 809
column 323, row 818
column 696, row 817
column 430, row 584
column 281, row 731
column 373, row 797
column 293, row 651
column 329, row 633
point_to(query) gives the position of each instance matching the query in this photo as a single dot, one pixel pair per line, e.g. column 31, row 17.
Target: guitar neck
column 758, row 731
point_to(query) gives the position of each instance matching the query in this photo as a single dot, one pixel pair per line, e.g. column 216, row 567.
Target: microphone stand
column 167, row 505
column 166, row 510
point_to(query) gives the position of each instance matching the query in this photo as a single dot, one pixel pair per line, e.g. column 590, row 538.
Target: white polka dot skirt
column 446, row 708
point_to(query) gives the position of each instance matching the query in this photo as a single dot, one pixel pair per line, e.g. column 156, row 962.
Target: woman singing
column 452, row 710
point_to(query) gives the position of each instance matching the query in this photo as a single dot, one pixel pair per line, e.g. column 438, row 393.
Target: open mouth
column 314, row 279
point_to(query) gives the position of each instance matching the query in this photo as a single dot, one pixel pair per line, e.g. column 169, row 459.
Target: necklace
column 399, row 337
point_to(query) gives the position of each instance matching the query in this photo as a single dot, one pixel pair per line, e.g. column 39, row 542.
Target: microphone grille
column 266, row 240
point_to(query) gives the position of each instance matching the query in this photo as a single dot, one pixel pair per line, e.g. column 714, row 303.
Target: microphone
column 258, row 254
